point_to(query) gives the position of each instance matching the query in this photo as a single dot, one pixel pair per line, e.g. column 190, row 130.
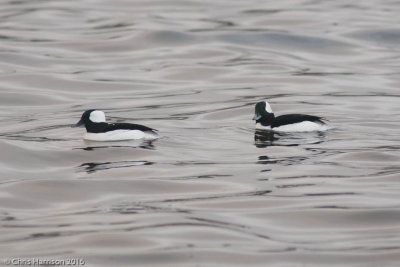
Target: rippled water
column 212, row 191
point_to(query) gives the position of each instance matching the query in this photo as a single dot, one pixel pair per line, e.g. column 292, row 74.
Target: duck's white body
column 305, row 126
column 120, row 135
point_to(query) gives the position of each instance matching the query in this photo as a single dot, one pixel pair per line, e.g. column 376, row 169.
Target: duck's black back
column 294, row 118
column 128, row 126
column 102, row 127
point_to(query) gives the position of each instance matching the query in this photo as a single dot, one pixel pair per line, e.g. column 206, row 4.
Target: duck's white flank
column 304, row 126
column 120, row 135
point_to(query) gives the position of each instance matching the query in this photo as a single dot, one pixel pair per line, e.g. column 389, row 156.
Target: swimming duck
column 97, row 129
column 266, row 120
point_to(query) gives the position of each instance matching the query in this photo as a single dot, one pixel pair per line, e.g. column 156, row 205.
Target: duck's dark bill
column 79, row 124
column 256, row 117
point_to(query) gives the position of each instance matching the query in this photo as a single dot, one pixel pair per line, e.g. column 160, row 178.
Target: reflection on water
column 90, row 167
column 214, row 192
column 282, row 161
column 94, row 145
column 264, row 138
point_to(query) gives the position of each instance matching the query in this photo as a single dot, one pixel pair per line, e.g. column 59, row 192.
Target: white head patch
column 268, row 107
column 97, row 116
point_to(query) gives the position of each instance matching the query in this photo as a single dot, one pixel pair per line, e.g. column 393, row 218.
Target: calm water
column 211, row 192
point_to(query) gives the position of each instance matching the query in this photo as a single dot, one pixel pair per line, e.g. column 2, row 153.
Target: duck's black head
column 91, row 116
column 263, row 113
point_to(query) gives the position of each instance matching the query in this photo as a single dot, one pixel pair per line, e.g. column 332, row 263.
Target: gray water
column 212, row 191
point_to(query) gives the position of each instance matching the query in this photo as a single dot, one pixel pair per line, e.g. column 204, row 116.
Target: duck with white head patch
column 266, row 120
column 97, row 129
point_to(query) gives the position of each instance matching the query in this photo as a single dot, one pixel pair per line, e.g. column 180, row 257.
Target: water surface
column 212, row 191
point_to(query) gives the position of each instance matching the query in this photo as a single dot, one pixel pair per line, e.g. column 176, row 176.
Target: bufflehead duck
column 265, row 119
column 97, row 129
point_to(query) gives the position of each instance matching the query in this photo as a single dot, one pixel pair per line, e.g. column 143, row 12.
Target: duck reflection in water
column 264, row 138
column 91, row 167
column 93, row 145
